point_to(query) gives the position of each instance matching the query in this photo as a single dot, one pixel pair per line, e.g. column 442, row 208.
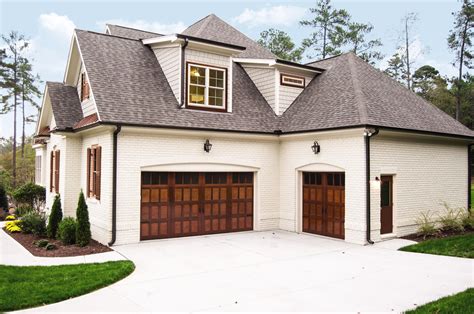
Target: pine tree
column 83, row 227
column 10, row 71
column 355, row 39
column 460, row 42
column 55, row 217
column 280, row 43
column 396, row 68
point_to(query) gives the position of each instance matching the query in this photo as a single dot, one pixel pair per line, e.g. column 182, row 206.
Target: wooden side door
column 386, row 204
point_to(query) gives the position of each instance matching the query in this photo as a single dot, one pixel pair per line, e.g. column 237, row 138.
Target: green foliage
column 468, row 220
column 3, row 199
column 83, row 228
column 30, row 194
column 23, row 210
column 396, row 68
column 50, row 247
column 40, row 285
column 41, row 243
column 354, row 36
column 328, row 25
column 280, row 43
column 426, row 224
column 457, row 303
column 34, row 223
column 55, row 217
column 67, row 230
column 460, row 246
column 452, row 218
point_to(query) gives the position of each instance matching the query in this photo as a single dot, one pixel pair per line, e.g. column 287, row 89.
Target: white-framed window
column 38, row 169
column 206, row 86
column 291, row 80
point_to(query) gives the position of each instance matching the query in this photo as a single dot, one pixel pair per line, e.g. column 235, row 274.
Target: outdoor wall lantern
column 316, row 148
column 207, row 146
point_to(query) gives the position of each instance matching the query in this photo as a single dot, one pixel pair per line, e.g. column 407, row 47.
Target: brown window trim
column 193, row 107
column 94, row 169
column 55, row 163
column 292, row 76
column 85, row 89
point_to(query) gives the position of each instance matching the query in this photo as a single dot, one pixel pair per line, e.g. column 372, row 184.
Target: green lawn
column 458, row 303
column 29, row 286
column 460, row 246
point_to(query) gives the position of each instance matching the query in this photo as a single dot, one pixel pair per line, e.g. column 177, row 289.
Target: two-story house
column 207, row 132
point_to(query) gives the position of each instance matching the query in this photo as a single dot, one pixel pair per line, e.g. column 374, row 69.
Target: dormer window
column 206, row 87
column 290, row 80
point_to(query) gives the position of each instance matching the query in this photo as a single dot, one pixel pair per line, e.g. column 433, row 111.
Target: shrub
column 426, row 225
column 3, row 199
column 67, row 230
column 41, row 243
column 50, row 247
column 13, row 226
column 55, row 217
column 23, row 210
column 83, row 227
column 452, row 218
column 30, row 194
column 468, row 221
column 34, row 223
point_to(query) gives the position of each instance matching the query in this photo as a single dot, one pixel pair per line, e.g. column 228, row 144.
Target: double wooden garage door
column 323, row 203
column 177, row 204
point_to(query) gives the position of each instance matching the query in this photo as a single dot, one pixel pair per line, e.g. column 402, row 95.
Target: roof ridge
column 132, row 28
column 107, row 35
column 359, row 95
column 328, row 58
column 198, row 21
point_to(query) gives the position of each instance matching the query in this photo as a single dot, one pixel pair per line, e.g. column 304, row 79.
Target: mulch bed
column 62, row 250
column 441, row 234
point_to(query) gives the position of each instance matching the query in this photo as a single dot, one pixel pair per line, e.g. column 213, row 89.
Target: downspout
column 469, row 175
column 368, row 133
column 183, row 72
column 114, row 187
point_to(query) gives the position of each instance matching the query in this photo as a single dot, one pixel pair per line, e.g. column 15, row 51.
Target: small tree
column 55, row 217
column 30, row 194
column 3, row 198
column 83, row 226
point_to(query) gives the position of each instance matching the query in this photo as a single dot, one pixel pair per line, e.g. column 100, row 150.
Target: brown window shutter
column 51, row 171
column 57, row 162
column 88, row 193
column 82, row 86
column 98, row 166
column 86, row 88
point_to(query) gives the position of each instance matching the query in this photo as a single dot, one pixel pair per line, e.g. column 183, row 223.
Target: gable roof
column 213, row 28
column 130, row 88
column 353, row 93
column 132, row 33
column 65, row 104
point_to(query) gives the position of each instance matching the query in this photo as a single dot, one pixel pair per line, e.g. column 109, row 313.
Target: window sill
column 93, row 200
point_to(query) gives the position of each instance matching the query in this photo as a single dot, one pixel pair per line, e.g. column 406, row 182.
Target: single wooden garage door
column 177, row 204
column 323, row 203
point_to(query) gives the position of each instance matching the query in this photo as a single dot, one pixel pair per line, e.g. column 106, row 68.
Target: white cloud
column 155, row 27
column 59, row 24
column 285, row 15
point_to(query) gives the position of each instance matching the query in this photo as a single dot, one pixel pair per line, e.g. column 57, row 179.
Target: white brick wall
column 170, row 62
column 426, row 172
column 340, row 151
column 184, row 152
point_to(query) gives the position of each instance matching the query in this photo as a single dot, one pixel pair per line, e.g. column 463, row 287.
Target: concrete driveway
column 275, row 271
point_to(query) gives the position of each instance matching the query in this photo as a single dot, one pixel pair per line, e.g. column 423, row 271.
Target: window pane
column 196, row 94
column 216, row 78
column 198, row 75
column 216, row 97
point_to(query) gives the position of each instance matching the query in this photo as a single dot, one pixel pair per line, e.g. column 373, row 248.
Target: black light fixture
column 207, row 146
column 316, row 148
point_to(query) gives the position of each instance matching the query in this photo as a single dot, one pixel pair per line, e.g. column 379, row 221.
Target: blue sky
column 49, row 25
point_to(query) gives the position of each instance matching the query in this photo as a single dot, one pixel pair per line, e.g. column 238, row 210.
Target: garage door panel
column 182, row 204
column 323, row 203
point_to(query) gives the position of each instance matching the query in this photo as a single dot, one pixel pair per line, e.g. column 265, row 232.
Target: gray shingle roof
column 129, row 87
column 131, row 33
column 351, row 92
column 213, row 28
column 65, row 104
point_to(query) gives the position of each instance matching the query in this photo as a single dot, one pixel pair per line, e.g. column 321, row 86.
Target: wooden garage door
column 177, row 204
column 323, row 203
